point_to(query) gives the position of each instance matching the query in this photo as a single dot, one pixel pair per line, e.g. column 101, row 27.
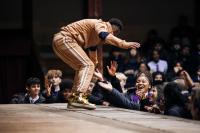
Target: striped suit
column 70, row 42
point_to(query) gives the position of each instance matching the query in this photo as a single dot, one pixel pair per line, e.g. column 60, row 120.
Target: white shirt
column 161, row 66
column 198, row 78
column 32, row 100
column 57, row 88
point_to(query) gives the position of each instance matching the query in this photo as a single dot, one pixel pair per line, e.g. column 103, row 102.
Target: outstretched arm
column 115, row 95
column 109, row 38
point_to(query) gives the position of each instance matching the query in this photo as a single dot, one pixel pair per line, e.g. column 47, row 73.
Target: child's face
column 143, row 68
column 142, row 84
column 154, row 94
column 177, row 67
column 55, row 80
column 67, row 93
column 34, row 89
column 158, row 77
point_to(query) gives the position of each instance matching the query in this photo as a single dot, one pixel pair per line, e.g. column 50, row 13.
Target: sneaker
column 78, row 100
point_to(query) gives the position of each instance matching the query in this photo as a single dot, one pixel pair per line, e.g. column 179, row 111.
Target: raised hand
column 188, row 79
column 48, row 89
column 48, row 86
column 113, row 68
column 140, row 94
column 98, row 75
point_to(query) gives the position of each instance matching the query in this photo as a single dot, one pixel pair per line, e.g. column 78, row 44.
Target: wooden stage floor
column 56, row 118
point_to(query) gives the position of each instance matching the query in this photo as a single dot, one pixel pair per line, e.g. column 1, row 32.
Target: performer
column 69, row 45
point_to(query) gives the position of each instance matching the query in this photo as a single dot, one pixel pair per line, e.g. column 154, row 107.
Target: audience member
column 175, row 102
column 136, row 98
column 195, row 103
column 52, row 85
column 33, row 93
column 157, row 64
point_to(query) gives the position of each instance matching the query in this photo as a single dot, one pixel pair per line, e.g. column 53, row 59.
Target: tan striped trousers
column 68, row 50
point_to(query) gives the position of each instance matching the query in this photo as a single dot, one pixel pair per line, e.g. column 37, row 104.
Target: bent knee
column 89, row 65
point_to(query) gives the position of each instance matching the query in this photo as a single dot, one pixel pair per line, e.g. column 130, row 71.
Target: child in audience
column 33, row 93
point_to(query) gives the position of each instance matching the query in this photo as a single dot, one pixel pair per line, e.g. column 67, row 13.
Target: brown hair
column 52, row 73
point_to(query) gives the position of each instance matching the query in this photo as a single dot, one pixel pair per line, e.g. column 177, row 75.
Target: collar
column 57, row 88
column 32, row 100
column 157, row 61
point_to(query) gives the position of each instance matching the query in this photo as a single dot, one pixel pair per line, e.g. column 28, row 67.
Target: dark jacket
column 178, row 111
column 116, row 83
column 128, row 100
column 40, row 100
column 23, row 98
column 98, row 95
column 53, row 98
column 18, row 98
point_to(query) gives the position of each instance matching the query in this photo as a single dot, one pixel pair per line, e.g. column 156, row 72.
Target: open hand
column 98, row 75
column 106, row 85
column 113, row 68
column 133, row 45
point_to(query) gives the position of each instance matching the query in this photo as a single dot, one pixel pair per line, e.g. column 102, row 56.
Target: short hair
column 51, row 73
column 32, row 81
column 181, row 83
column 143, row 62
column 117, row 22
column 147, row 74
column 173, row 95
column 66, row 84
column 159, row 73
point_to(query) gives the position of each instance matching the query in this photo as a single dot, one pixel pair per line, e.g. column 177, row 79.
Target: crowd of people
column 150, row 92
column 162, row 77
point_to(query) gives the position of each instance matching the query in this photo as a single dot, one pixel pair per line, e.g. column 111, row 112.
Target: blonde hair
column 53, row 73
column 50, row 74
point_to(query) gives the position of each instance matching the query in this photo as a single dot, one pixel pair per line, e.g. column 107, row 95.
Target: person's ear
column 115, row 29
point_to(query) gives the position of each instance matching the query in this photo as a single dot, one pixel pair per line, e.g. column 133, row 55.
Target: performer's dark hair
column 117, row 22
